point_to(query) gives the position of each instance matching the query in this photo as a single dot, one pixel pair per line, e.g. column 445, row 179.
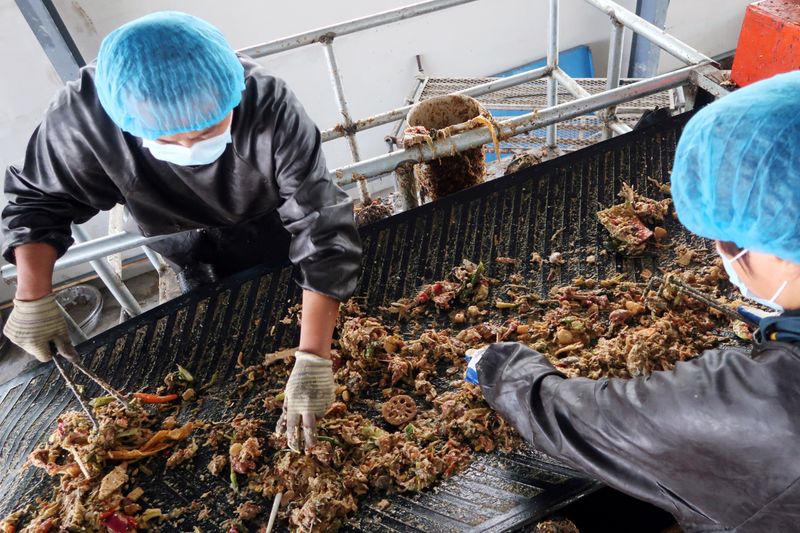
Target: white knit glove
column 310, row 390
column 34, row 324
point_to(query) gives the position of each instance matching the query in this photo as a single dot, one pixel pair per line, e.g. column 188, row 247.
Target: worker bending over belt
column 191, row 138
column 715, row 440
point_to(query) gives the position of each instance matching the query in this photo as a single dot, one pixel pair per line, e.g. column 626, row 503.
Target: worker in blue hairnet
column 713, row 441
column 196, row 141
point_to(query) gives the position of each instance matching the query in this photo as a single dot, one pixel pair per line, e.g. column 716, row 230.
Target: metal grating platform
column 545, row 208
column 572, row 134
column 532, row 95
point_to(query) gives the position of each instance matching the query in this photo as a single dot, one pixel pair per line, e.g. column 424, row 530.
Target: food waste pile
column 403, row 417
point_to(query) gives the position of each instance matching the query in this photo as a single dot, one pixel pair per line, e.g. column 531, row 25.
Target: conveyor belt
column 547, row 208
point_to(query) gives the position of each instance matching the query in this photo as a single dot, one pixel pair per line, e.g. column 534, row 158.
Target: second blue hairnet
column 167, row 73
column 736, row 175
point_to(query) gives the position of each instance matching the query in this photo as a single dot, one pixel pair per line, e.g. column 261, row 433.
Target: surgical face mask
column 200, row 153
column 746, row 292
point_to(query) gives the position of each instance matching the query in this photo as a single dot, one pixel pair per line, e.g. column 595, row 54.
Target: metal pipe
column 83, row 252
column 401, row 112
column 615, row 48
column 514, row 126
column 552, row 63
column 112, row 282
column 341, row 101
column 351, row 26
column 662, row 39
column 575, row 89
column 155, row 259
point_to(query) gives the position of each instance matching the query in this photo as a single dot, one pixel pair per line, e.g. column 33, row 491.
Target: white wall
column 712, row 27
column 28, row 83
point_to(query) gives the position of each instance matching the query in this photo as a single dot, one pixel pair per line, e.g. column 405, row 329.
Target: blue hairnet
column 737, row 169
column 167, row 73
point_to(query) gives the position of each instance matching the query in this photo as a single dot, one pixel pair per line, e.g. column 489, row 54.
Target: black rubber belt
column 547, row 208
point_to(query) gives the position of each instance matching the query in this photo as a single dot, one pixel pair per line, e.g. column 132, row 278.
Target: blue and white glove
column 753, row 314
column 472, row 356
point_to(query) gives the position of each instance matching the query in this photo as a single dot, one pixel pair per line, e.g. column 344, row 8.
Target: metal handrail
column 509, row 128
column 351, row 26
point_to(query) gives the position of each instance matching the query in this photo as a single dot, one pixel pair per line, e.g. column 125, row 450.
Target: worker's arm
column 317, row 322
column 318, row 213
column 36, row 321
column 35, row 262
column 684, row 440
column 62, row 179
column 326, row 248
column 60, row 182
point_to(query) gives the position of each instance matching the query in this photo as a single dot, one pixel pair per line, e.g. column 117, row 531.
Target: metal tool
column 72, row 386
column 91, row 375
column 102, row 383
column 700, row 296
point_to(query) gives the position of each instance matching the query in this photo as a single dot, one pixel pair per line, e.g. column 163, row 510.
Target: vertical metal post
column 615, row 48
column 112, row 282
column 338, row 89
column 645, row 54
column 552, row 62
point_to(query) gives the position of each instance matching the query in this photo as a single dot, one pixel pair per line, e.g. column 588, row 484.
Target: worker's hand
column 472, row 356
column 34, row 324
column 309, row 392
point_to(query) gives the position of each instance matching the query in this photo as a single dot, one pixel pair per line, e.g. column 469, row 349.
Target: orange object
column 154, row 398
column 769, row 42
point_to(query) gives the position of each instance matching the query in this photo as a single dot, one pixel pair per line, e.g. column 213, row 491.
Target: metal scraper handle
column 71, row 385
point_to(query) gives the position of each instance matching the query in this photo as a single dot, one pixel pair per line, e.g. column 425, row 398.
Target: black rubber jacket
column 714, row 441
column 79, row 162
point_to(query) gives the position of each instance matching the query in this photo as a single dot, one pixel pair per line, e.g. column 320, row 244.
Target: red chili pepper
column 437, row 288
column 106, row 514
column 155, row 398
column 423, row 297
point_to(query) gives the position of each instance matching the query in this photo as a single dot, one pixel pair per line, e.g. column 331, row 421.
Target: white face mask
column 746, row 292
column 200, row 153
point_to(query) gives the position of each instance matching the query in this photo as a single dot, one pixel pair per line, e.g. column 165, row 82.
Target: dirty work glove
column 309, row 393
column 472, row 356
column 34, row 324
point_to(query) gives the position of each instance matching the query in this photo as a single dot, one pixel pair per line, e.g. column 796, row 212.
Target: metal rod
column 706, row 299
column 112, row 282
column 552, row 63
column 508, row 128
column 575, row 89
column 155, row 259
column 103, row 383
column 401, row 112
column 80, row 253
column 71, row 385
column 341, row 101
column 76, row 334
column 662, row 39
column 615, row 49
column 348, row 27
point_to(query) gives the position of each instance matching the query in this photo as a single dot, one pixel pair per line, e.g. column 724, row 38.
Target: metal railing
column 699, row 72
